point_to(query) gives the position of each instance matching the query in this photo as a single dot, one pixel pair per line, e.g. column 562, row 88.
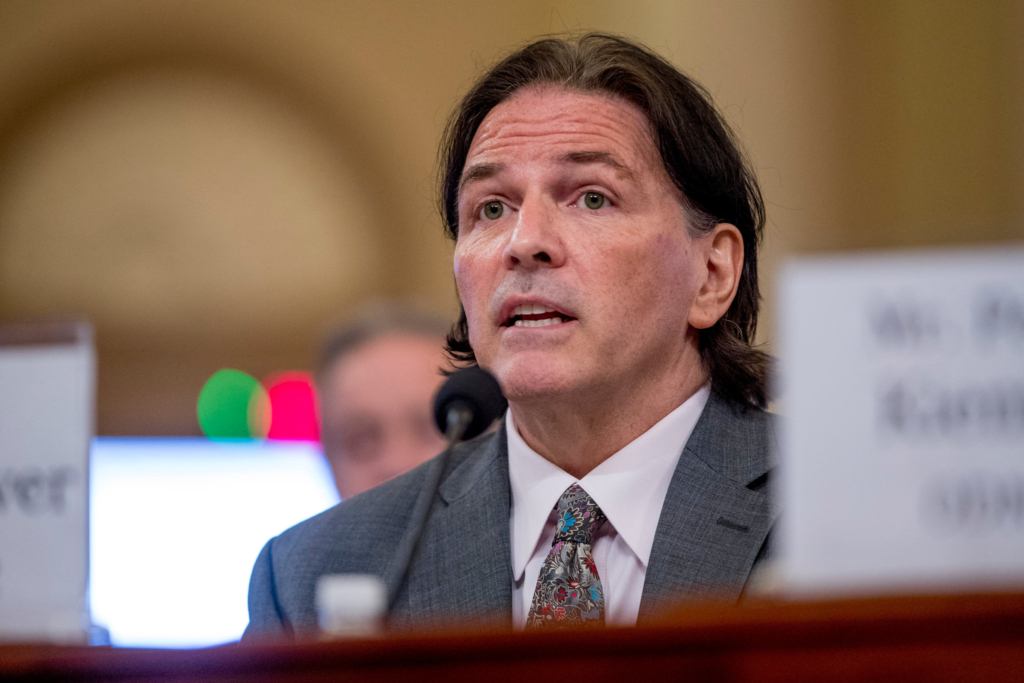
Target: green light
column 230, row 406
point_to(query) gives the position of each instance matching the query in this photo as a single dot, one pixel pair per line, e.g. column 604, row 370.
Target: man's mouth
column 535, row 315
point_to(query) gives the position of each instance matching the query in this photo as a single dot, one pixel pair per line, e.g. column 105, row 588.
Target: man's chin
column 533, row 379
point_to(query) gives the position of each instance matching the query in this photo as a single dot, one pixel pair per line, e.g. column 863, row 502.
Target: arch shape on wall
column 139, row 359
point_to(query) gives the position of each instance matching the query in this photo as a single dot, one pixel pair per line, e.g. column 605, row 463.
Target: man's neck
column 577, row 433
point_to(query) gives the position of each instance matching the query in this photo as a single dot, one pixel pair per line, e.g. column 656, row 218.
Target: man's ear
column 723, row 258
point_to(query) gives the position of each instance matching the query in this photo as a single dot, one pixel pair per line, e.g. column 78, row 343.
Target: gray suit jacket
column 713, row 529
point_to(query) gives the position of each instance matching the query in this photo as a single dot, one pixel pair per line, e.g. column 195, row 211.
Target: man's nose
column 536, row 241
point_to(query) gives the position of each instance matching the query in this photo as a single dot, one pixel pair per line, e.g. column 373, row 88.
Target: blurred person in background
column 376, row 379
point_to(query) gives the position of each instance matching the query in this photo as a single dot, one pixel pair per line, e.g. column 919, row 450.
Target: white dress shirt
column 630, row 489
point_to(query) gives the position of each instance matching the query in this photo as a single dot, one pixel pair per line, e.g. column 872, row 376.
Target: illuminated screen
column 176, row 525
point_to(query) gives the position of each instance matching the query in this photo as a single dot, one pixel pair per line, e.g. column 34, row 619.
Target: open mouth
column 535, row 315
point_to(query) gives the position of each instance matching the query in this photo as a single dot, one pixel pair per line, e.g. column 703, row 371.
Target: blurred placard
column 46, row 423
column 903, row 438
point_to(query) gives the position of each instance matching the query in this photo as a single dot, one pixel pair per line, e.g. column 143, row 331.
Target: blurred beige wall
column 215, row 183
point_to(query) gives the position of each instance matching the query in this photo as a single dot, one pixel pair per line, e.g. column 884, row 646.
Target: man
column 376, row 380
column 606, row 233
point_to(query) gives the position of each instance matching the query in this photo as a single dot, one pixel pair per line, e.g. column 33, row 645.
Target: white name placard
column 902, row 383
column 46, row 424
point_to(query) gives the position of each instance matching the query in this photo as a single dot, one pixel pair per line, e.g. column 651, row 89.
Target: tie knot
column 579, row 517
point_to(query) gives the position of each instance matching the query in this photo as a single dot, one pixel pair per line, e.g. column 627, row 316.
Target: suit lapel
column 712, row 525
column 464, row 569
column 716, row 516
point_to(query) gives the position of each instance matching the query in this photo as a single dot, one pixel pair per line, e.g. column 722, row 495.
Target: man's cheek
column 470, row 268
column 467, row 254
column 479, row 327
column 457, row 263
column 465, row 287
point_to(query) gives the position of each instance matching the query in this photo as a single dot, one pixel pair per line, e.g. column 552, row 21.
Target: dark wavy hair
column 699, row 152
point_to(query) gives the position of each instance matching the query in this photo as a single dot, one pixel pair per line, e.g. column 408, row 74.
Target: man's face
column 375, row 407
column 573, row 261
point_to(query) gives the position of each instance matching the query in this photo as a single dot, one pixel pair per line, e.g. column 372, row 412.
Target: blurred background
column 214, row 184
column 218, row 184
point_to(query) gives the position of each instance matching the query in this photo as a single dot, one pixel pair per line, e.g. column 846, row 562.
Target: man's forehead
column 561, row 126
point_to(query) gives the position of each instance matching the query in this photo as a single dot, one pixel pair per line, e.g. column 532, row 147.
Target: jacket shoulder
column 737, row 441
column 357, row 536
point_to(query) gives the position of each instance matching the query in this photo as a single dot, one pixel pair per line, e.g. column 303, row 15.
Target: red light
column 293, row 407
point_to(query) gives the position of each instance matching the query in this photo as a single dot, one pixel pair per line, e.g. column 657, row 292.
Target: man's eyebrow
column 479, row 172
column 606, row 158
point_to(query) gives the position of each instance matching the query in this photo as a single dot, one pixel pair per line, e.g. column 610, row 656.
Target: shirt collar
column 629, row 487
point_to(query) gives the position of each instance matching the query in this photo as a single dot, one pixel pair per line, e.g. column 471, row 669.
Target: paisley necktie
column 569, row 592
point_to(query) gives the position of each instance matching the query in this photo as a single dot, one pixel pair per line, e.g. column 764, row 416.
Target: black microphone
column 472, row 396
column 464, row 407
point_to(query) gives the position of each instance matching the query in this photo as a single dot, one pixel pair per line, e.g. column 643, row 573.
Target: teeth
column 531, row 309
column 538, row 323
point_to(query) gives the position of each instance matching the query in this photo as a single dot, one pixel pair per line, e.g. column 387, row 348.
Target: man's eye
column 594, row 200
column 492, row 211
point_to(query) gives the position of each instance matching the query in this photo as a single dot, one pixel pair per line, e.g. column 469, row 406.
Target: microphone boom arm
column 459, row 417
